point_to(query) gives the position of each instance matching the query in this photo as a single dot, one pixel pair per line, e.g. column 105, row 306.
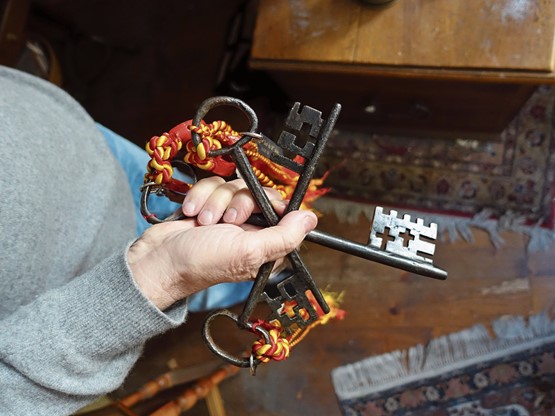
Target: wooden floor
column 387, row 309
column 140, row 91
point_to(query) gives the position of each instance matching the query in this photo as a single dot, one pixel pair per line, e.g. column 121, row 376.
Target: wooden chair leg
column 214, row 402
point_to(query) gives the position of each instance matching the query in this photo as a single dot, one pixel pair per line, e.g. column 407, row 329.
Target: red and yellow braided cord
column 163, row 149
column 279, row 347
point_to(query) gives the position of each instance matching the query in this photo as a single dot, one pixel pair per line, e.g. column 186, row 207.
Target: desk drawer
column 440, row 108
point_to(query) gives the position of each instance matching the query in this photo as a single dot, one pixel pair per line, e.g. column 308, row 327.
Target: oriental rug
column 468, row 373
column 509, row 178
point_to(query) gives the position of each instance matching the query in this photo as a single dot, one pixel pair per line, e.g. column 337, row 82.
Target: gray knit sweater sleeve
column 72, row 320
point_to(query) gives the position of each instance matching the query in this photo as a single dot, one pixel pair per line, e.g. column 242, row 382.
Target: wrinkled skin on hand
column 173, row 260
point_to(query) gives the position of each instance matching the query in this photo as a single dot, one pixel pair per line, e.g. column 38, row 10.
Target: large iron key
column 409, row 248
column 310, row 148
column 294, row 143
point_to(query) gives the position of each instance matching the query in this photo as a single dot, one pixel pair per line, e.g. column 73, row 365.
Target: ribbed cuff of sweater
column 126, row 315
column 83, row 337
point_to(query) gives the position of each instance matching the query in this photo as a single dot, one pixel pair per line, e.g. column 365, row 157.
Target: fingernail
column 189, row 208
column 205, row 217
column 230, row 215
column 309, row 222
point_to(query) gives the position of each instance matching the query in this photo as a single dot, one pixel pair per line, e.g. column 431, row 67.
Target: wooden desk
column 503, row 40
column 416, row 65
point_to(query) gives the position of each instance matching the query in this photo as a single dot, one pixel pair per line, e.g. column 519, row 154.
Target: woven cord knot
column 213, row 136
column 162, row 149
column 278, row 348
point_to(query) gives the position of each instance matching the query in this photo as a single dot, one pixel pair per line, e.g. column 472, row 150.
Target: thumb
column 287, row 235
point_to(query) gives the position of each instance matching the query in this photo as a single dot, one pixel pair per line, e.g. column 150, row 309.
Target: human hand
column 175, row 259
column 213, row 199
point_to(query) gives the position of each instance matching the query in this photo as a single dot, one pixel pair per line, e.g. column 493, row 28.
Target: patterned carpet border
column 467, row 373
column 511, row 175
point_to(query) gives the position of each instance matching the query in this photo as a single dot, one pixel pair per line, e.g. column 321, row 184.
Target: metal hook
column 249, row 362
column 146, row 190
column 153, row 188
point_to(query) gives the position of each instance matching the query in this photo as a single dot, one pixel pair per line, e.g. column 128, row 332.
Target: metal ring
column 152, row 188
column 214, row 102
column 258, row 136
column 150, row 217
column 146, row 190
column 239, row 143
column 253, row 365
column 250, row 362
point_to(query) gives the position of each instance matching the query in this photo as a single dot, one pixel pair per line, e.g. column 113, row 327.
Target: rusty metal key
column 409, row 247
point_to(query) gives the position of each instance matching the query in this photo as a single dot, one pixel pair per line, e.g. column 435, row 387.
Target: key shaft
column 366, row 252
column 373, row 254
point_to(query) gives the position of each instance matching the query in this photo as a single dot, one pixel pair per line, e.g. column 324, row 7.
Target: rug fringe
column 442, row 354
column 450, row 226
